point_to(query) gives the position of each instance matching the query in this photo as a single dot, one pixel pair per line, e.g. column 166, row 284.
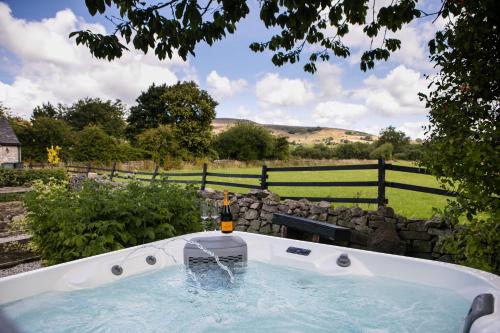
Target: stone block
column 318, row 210
column 270, row 202
column 358, row 237
column 235, row 209
column 332, row 219
column 421, row 246
column 422, row 235
column 255, row 205
column 255, row 224
column 266, row 216
column 416, row 225
column 271, row 209
column 435, row 222
column 323, row 217
column 386, row 239
column 356, row 212
column 242, row 221
column 439, row 232
column 385, row 211
column 345, row 223
column 313, row 217
column 241, row 228
column 251, row 214
column 266, row 229
column 375, row 223
column 283, row 208
column 363, row 228
column 362, row 220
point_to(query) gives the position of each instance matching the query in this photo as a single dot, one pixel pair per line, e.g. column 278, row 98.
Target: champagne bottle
column 226, row 218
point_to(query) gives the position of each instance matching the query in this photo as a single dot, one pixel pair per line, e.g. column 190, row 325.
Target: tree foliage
column 463, row 146
column 397, row 139
column 186, row 108
column 93, row 111
column 178, row 26
column 250, row 142
column 149, row 112
column 162, row 144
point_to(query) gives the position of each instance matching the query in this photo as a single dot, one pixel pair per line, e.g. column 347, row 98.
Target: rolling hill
column 301, row 134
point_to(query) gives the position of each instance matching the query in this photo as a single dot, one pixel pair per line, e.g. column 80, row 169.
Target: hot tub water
column 262, row 298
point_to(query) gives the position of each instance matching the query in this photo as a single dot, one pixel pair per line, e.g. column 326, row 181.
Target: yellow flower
column 53, row 155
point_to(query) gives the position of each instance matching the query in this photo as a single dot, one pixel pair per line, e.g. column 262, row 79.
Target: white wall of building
column 9, row 154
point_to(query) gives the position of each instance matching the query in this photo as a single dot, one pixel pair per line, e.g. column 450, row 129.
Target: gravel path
column 20, row 268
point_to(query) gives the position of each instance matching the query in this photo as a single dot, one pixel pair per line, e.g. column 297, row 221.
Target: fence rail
column 264, row 183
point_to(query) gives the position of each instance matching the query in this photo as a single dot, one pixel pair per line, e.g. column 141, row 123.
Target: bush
column 384, row 151
column 318, row 152
column 410, row 152
column 68, row 225
column 249, row 142
column 20, row 177
column 357, row 150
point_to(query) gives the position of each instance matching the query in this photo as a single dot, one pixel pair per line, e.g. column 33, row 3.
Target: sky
column 39, row 64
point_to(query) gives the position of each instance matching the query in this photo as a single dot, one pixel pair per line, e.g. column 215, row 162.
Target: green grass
column 407, row 203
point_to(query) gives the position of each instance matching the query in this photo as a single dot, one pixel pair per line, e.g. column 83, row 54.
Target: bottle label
column 226, row 226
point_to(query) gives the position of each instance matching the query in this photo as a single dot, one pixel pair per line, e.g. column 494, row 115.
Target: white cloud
column 242, row 111
column 414, row 38
column 396, row 94
column 222, row 86
column 414, row 129
column 272, row 90
column 52, row 68
column 328, row 78
column 336, row 114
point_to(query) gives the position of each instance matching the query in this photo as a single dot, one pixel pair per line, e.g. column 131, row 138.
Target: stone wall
column 380, row 230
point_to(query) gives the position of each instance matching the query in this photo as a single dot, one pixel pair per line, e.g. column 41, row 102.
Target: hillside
column 301, row 134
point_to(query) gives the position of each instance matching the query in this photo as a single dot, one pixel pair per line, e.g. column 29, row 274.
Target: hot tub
column 287, row 286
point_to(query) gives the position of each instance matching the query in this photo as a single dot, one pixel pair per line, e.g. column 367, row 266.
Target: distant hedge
column 20, row 177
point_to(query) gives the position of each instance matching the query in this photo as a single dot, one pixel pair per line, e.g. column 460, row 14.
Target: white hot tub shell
column 95, row 271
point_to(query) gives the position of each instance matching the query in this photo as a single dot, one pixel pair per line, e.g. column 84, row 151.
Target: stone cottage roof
column 7, row 135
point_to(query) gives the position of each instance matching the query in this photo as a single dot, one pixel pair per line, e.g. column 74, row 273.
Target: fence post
column 30, row 165
column 263, row 178
column 112, row 174
column 381, row 200
column 204, row 177
column 155, row 173
column 89, row 167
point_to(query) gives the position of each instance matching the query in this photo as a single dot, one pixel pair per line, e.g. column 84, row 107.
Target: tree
column 463, row 146
column 94, row 111
column 149, row 112
column 178, row 26
column 42, row 133
column 94, row 144
column 245, row 142
column 383, row 152
column 162, row 144
column 397, row 139
column 188, row 109
column 48, row 110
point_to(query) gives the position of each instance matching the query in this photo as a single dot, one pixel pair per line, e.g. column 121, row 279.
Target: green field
column 407, row 203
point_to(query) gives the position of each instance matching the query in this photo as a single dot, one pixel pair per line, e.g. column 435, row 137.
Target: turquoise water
column 263, row 298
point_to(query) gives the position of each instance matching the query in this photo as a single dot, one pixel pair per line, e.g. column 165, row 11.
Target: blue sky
column 38, row 63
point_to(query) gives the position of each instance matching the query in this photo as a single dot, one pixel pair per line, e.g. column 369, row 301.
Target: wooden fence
column 264, row 183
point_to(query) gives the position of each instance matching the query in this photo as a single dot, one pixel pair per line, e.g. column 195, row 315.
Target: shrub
column 249, row 142
column 384, row 151
column 356, row 150
column 20, row 177
column 68, row 225
column 318, row 151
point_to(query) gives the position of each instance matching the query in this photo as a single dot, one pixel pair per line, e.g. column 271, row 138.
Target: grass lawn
column 407, row 203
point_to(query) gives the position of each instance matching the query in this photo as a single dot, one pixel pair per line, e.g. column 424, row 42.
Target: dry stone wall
column 379, row 230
